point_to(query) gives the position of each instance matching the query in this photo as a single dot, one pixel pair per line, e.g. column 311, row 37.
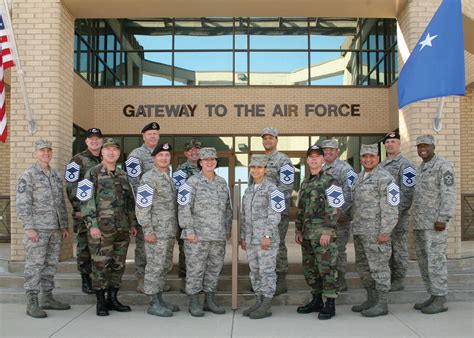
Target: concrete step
column 410, row 295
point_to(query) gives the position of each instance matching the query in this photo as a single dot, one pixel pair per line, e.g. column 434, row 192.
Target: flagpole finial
column 32, row 128
column 437, row 125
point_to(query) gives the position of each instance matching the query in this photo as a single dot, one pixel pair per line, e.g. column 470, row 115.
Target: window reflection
column 278, row 68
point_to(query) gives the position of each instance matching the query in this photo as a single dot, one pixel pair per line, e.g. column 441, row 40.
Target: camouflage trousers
column 282, row 257
column 343, row 231
column 108, row 255
column 372, row 262
column 158, row 262
column 182, row 256
column 262, row 265
column 319, row 267
column 204, row 261
column 83, row 255
column 399, row 258
column 140, row 253
column 431, row 247
column 41, row 260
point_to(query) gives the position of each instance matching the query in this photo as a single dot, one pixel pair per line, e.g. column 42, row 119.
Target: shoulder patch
column 393, row 194
column 72, row 172
column 179, row 177
column 277, row 201
column 144, row 196
column 85, row 188
column 287, row 174
column 335, row 196
column 351, row 178
column 132, row 164
column 448, row 178
column 409, row 177
column 21, row 187
column 184, row 194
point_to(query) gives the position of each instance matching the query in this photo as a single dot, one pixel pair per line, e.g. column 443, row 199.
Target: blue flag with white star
column 435, row 67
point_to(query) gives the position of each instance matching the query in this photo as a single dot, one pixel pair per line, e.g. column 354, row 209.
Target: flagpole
column 9, row 30
column 437, row 125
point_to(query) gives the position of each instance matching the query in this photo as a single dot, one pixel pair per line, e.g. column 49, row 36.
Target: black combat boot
column 329, row 310
column 315, row 305
column 113, row 303
column 87, row 284
column 101, row 308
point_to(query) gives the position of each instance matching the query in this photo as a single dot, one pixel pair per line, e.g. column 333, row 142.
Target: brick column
column 416, row 119
column 44, row 31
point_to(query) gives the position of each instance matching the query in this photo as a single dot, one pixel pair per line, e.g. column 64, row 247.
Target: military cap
column 369, row 149
column 151, row 126
column 207, row 153
column 40, row 144
column 331, row 143
column 258, row 160
column 111, row 142
column 93, row 132
column 161, row 147
column 315, row 148
column 425, row 139
column 391, row 135
column 270, row 131
column 192, row 144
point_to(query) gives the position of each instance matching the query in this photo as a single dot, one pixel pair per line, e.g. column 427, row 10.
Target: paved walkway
column 81, row 321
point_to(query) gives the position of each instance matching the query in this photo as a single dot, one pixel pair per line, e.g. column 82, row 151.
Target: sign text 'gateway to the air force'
column 242, row 110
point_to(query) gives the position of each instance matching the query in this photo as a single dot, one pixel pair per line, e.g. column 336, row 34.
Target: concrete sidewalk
column 81, row 321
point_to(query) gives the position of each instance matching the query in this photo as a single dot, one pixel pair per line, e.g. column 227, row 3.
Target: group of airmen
column 193, row 206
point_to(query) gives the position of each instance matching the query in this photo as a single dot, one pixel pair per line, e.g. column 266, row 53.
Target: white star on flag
column 427, row 41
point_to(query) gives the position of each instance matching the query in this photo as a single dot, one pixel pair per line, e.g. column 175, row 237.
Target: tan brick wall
column 109, row 104
column 467, row 140
column 416, row 119
column 44, row 33
column 83, row 103
column 5, row 152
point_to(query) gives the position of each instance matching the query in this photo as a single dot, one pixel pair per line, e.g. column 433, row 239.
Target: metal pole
column 437, row 124
column 16, row 58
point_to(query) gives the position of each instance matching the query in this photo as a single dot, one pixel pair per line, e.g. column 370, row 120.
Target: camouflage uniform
column 157, row 214
column 372, row 215
column 109, row 208
column 259, row 219
column 434, row 200
column 145, row 161
column 189, row 169
column 85, row 160
column 345, row 178
column 315, row 218
column 204, row 210
column 41, row 206
column 404, row 173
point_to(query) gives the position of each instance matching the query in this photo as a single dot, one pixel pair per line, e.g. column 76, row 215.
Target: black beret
column 161, row 147
column 391, row 135
column 93, row 132
column 151, row 126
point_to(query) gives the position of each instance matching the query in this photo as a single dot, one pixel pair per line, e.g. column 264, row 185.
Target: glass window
column 156, row 68
column 204, row 33
column 203, row 69
column 241, row 69
column 278, row 33
column 278, row 68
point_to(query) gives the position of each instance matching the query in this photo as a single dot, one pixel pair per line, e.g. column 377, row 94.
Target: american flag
column 6, row 61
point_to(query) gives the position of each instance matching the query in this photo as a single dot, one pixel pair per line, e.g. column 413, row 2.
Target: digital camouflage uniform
column 374, row 212
column 156, row 212
column 204, row 210
column 434, row 200
column 110, row 208
column 41, row 206
column 75, row 172
column 189, row 170
column 316, row 217
column 404, row 174
column 259, row 219
column 142, row 156
column 345, row 178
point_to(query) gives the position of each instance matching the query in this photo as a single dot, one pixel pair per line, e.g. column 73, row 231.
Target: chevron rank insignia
column 351, row 177
column 409, row 177
column 179, row 177
column 393, row 194
column 287, row 174
column 448, row 178
column 85, row 188
column 133, row 167
column 144, row 195
column 72, row 172
column 21, row 188
column 184, row 194
column 277, row 201
column 335, row 196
